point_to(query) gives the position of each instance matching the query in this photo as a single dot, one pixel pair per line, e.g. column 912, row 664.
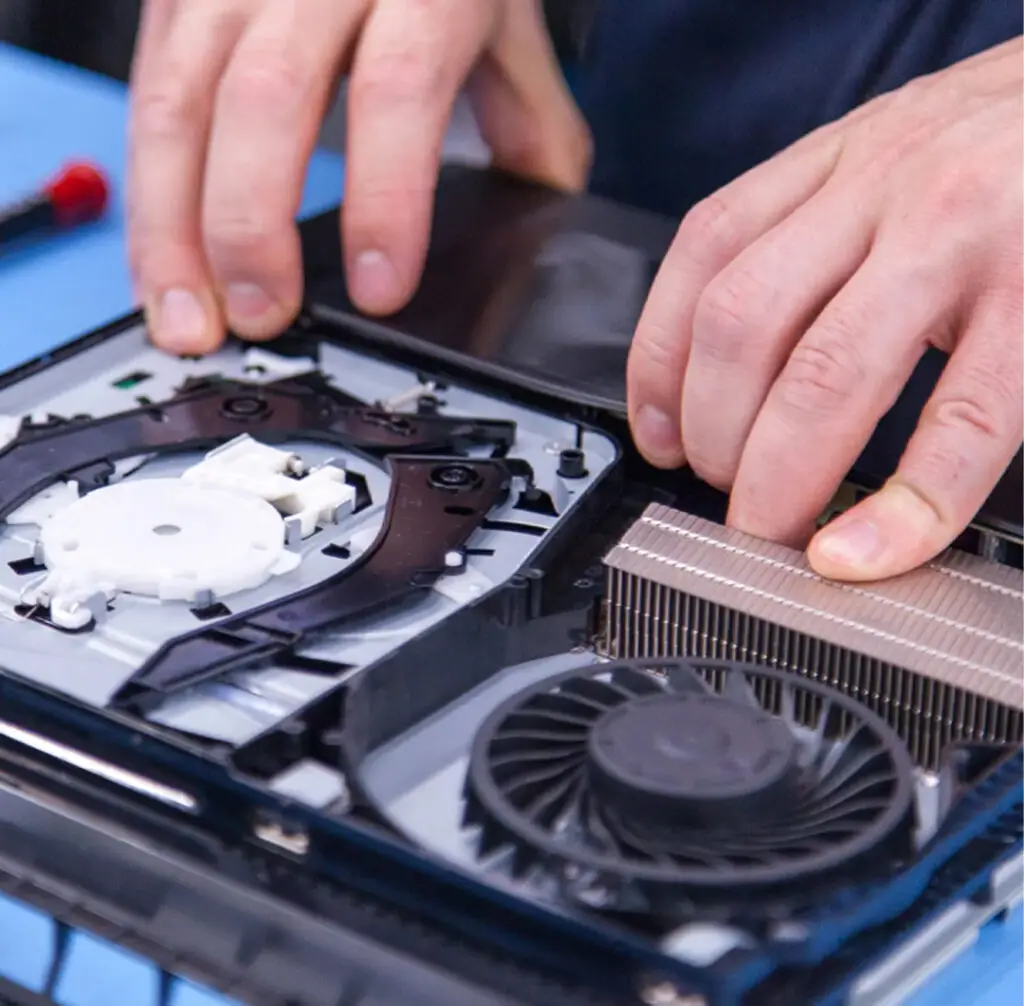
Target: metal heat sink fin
column 937, row 652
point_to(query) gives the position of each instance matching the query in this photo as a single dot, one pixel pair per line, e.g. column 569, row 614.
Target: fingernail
column 247, row 302
column 856, row 544
column 656, row 433
column 373, row 280
column 181, row 324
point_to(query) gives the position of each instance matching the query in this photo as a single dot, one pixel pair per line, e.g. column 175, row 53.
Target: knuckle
column 159, row 265
column 264, row 83
column 822, row 375
column 709, row 467
column 973, row 415
column 958, row 195
column 398, row 78
column 1007, row 291
column 903, row 105
column 580, row 141
column 654, row 353
column 938, row 473
column 141, row 263
column 727, row 315
column 238, row 236
column 387, row 210
column 163, row 108
column 711, row 226
column 380, row 193
column 573, row 152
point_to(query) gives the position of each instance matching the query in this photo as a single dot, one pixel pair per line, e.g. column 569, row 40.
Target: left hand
column 794, row 304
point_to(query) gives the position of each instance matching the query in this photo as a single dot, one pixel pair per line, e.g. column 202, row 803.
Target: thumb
column 889, row 533
column 523, row 106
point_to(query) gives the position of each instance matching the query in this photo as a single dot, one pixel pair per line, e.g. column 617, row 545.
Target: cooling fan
column 682, row 787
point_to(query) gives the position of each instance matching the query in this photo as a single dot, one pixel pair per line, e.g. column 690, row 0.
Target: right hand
column 228, row 99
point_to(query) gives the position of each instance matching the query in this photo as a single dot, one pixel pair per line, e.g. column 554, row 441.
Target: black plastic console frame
column 368, row 882
column 198, row 922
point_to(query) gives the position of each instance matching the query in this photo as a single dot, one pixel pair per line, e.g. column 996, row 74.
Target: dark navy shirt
column 685, row 95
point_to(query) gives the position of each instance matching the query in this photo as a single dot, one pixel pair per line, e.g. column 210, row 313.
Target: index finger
column 411, row 63
column 711, row 235
column 171, row 111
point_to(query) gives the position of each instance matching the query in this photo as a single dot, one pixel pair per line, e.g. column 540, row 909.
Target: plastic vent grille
column 939, row 653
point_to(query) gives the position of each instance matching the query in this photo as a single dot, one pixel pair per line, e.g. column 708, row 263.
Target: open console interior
column 372, row 665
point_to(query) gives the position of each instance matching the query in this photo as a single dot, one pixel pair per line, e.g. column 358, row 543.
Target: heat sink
column 938, row 653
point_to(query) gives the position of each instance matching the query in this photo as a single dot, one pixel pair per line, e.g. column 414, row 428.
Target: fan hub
column 692, row 760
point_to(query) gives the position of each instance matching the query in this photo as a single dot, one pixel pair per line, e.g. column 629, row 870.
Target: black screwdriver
column 77, row 195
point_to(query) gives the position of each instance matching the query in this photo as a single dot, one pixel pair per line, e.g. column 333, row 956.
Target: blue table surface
column 58, row 289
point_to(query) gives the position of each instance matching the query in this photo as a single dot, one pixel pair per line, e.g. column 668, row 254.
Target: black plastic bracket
column 215, row 411
column 435, row 504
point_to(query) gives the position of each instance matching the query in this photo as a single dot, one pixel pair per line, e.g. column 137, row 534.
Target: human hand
column 794, row 304
column 228, row 98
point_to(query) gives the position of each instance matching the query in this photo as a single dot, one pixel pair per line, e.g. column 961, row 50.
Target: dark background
column 95, row 34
